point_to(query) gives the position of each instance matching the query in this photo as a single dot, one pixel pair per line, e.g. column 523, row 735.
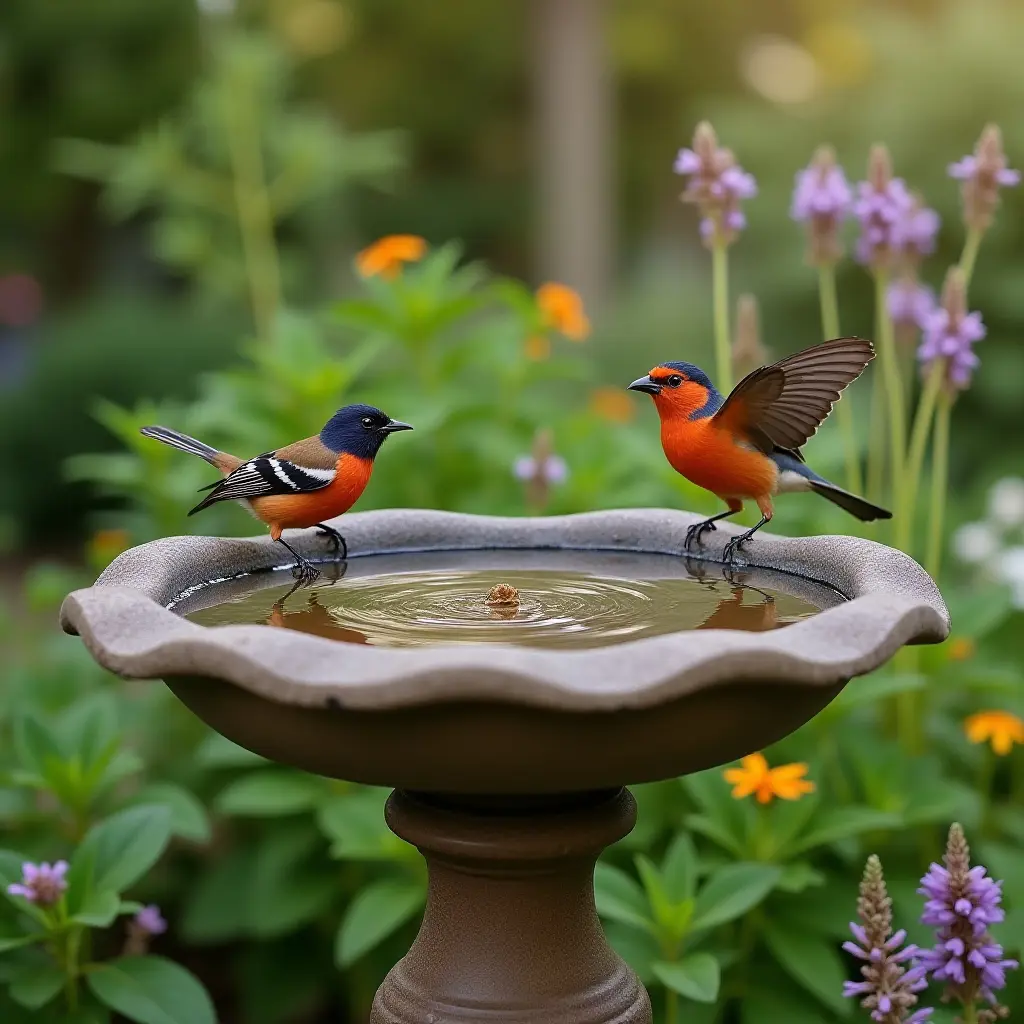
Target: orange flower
column 612, row 404
column 105, row 545
column 387, row 254
column 961, row 648
column 538, row 348
column 562, row 309
column 754, row 776
column 1001, row 728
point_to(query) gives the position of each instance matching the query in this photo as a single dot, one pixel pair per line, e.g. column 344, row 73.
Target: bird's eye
column 367, row 422
column 674, row 381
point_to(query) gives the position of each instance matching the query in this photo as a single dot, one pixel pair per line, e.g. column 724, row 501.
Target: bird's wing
column 783, row 404
column 266, row 475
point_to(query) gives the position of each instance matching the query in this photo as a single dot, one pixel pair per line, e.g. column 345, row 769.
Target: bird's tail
column 188, row 444
column 856, row 506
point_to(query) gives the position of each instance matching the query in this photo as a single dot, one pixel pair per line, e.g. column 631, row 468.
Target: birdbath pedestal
column 508, row 763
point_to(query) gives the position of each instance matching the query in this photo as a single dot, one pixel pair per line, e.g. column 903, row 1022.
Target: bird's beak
column 645, row 384
column 396, row 425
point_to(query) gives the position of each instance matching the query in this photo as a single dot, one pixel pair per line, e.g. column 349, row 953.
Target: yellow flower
column 1001, row 728
column 387, row 254
column 612, row 404
column 538, row 348
column 562, row 309
column 961, row 648
column 754, row 776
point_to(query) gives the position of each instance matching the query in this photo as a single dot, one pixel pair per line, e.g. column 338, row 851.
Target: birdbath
column 507, row 678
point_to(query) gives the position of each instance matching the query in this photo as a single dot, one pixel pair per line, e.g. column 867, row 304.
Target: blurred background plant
column 208, row 219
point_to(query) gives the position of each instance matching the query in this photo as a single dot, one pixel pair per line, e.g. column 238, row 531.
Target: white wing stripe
column 279, row 472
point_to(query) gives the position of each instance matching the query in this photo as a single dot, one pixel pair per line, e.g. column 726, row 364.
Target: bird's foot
column 732, row 550
column 305, row 573
column 337, row 542
column 695, row 532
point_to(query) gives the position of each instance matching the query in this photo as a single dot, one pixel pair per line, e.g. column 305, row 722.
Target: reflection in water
column 554, row 608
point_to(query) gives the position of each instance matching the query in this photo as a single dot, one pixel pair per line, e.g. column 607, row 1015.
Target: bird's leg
column 731, row 549
column 338, row 545
column 305, row 571
column 695, row 532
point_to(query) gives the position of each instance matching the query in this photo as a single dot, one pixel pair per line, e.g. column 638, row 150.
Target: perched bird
column 747, row 446
column 303, row 483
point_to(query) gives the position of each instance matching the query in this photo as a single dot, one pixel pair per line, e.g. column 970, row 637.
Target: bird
column 747, row 446
column 302, row 484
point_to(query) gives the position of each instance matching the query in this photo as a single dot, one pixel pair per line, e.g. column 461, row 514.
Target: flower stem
column 940, row 481
column 970, row 253
column 915, row 456
column 970, row 1013
column 720, row 292
column 876, row 439
column 252, row 202
column 671, row 1006
column 844, row 411
column 893, row 389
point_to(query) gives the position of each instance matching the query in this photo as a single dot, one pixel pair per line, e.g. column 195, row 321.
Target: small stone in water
column 503, row 594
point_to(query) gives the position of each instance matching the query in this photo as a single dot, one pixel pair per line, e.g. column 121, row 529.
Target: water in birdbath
column 552, row 599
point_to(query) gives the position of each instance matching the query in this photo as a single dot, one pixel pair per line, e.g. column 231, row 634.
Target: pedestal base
column 510, row 933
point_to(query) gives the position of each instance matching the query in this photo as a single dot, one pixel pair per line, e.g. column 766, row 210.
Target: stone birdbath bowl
column 508, row 732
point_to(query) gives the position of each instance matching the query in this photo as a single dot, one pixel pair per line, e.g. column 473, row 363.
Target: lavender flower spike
column 914, row 233
column 42, row 884
column 822, row 199
column 716, row 185
column 889, row 989
column 983, row 173
column 882, row 203
column 962, row 902
column 949, row 332
column 910, row 303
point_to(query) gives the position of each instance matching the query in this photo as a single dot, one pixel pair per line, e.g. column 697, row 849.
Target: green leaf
column 876, row 687
column 838, row 823
column 640, row 949
column 619, row 898
column 696, row 977
column 99, row 909
column 810, row 961
column 375, row 912
column 217, row 751
column 271, row 793
column 188, row 816
column 732, row 891
column 798, row 876
column 36, row 747
column 36, row 984
column 118, row 851
column 679, row 869
column 151, row 990
column 716, row 832
column 767, row 1005
column 17, row 941
column 88, row 729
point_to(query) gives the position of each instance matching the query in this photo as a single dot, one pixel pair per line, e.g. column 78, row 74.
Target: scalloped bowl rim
column 126, row 625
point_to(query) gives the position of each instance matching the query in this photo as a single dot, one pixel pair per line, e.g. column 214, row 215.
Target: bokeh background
column 183, row 188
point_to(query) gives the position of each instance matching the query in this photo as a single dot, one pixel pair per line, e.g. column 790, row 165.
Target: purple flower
column 882, row 203
column 889, row 989
column 910, row 303
column 716, row 186
column 949, row 332
column 914, row 233
column 150, row 920
column 983, row 173
column 822, row 199
column 42, row 884
column 961, row 903
column 552, row 470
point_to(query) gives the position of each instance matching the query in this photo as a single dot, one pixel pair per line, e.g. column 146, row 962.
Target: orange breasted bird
column 303, row 483
column 747, row 446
